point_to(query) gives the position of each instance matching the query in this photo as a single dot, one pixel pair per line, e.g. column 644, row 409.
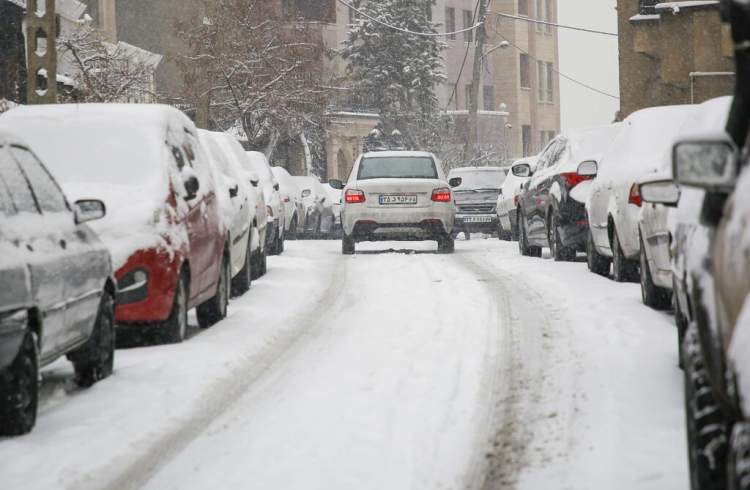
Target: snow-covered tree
column 393, row 69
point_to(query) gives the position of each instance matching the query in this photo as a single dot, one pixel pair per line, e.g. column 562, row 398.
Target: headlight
column 133, row 287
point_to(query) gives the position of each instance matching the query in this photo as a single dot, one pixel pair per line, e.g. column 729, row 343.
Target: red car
column 169, row 248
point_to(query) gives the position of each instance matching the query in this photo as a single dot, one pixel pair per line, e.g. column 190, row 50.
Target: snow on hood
column 113, row 153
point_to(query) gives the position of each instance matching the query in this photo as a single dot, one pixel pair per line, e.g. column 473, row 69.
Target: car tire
column 560, row 252
column 624, row 269
column 94, row 361
column 19, row 390
column 174, row 330
column 446, row 245
column 523, row 242
column 292, row 229
column 241, row 282
column 347, row 245
column 215, row 309
column 706, row 424
column 598, row 264
column 280, row 244
column 739, row 457
column 653, row 296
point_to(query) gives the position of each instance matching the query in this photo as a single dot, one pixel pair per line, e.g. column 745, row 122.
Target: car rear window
column 397, row 168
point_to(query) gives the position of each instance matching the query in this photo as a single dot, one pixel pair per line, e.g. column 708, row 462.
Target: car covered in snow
column 294, row 208
column 507, row 202
column 236, row 197
column 163, row 226
column 318, row 218
column 614, row 204
column 551, row 207
column 476, row 198
column 397, row 195
column 275, row 212
column 58, row 288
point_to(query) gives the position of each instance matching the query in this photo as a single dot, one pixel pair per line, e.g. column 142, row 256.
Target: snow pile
column 588, row 144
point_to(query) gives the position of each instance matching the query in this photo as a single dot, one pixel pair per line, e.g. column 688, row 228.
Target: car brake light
column 286, row 199
column 573, row 178
column 442, row 194
column 354, row 196
column 635, row 196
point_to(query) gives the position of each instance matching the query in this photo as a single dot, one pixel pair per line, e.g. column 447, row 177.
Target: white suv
column 397, row 195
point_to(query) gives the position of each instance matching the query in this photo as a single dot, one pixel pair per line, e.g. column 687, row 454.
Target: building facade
column 672, row 54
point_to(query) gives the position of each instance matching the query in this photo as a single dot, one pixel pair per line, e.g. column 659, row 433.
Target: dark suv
column 57, row 294
column 551, row 209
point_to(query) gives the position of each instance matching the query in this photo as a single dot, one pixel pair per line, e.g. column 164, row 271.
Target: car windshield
column 479, row 180
column 397, row 168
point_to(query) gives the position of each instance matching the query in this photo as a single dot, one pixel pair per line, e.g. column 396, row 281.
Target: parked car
column 236, row 198
column 476, row 199
column 241, row 158
column 274, row 205
column 58, row 288
column 397, row 195
column 319, row 218
column 507, row 201
column 661, row 227
column 551, row 208
column 163, row 226
column 293, row 206
column 614, row 202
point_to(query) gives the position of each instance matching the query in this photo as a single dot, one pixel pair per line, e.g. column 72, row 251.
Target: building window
column 648, row 7
column 468, row 96
column 539, row 14
column 548, row 16
column 450, row 21
column 489, row 98
column 468, row 22
column 526, row 140
column 550, row 83
column 541, row 78
column 525, row 71
column 523, row 7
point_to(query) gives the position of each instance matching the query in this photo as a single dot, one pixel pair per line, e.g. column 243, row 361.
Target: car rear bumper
column 573, row 224
column 370, row 231
column 391, row 218
column 158, row 297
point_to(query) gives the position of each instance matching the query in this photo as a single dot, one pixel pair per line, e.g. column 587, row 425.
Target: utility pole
column 476, row 80
column 41, row 49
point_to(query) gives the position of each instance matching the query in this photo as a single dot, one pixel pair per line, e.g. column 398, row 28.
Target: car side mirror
column 254, row 179
column 455, row 182
column 89, row 210
column 663, row 192
column 234, row 191
column 192, row 185
column 306, row 193
column 336, row 184
column 709, row 165
column 523, row 170
column 588, row 168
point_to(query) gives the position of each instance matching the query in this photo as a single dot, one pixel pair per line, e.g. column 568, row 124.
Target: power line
column 407, row 31
column 561, row 26
column 463, row 63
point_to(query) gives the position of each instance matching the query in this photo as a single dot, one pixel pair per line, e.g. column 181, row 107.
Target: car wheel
column 175, row 328
column 706, row 425
column 523, row 242
column 598, row 264
column 95, row 360
column 241, row 283
column 292, row 229
column 347, row 245
column 446, row 245
column 739, row 457
column 624, row 270
column 215, row 309
column 653, row 296
column 560, row 252
column 19, row 390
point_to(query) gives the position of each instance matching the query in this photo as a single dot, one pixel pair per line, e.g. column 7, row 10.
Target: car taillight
column 442, row 195
column 354, row 196
column 573, row 178
column 635, row 196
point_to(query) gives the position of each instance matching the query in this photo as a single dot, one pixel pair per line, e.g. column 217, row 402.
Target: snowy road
column 480, row 370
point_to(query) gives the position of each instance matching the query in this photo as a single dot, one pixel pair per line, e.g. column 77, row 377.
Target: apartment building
column 672, row 54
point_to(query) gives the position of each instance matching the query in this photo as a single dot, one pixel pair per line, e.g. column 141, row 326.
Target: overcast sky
column 590, row 58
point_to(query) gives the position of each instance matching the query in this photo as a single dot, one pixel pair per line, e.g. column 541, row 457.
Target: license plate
column 397, row 199
column 477, row 219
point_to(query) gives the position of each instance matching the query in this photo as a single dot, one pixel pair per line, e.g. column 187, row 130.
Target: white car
column 335, row 197
column 236, row 197
column 274, row 206
column 614, row 204
column 291, row 198
column 397, row 195
column 507, row 201
column 319, row 219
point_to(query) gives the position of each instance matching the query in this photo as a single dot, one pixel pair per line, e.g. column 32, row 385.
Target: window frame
column 524, row 71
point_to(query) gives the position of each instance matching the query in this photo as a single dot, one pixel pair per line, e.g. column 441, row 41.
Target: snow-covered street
column 396, row 368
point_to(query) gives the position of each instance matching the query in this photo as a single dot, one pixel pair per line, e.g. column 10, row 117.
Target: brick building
column 672, row 54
